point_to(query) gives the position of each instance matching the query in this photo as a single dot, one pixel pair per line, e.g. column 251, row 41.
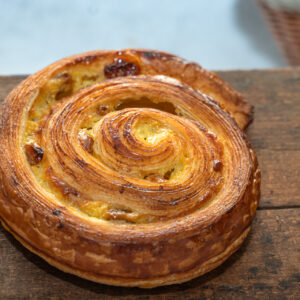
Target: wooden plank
column 266, row 267
column 275, row 132
column 276, row 97
column 7, row 83
column 280, row 178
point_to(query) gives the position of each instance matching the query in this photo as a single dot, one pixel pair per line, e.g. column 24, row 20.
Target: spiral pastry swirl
column 125, row 176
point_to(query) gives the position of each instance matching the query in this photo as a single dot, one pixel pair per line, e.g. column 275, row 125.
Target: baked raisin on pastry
column 122, row 167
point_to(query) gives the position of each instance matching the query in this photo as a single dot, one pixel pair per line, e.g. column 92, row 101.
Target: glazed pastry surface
column 126, row 168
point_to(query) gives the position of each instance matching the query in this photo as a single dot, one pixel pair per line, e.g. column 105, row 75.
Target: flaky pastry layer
column 123, row 167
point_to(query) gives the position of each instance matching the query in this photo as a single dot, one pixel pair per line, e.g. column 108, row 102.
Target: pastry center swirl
column 147, row 144
column 136, row 164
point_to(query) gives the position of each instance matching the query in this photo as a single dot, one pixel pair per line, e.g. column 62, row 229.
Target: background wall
column 223, row 34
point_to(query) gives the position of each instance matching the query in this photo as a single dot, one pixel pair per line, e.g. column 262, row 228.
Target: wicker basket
column 285, row 25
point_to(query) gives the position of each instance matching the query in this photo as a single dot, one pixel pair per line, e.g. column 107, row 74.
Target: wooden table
column 268, row 264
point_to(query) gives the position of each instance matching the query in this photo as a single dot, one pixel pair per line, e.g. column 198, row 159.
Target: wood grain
column 268, row 264
column 275, row 132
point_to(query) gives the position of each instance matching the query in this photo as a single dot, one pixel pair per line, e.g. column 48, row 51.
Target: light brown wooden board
column 268, row 264
column 275, row 132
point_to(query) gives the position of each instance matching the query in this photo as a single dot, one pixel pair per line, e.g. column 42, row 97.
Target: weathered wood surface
column 275, row 132
column 268, row 264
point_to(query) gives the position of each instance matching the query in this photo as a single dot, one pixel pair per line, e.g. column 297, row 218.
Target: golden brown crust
column 207, row 266
column 198, row 78
column 134, row 181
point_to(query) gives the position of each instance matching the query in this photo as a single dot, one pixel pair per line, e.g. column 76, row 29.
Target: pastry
column 125, row 167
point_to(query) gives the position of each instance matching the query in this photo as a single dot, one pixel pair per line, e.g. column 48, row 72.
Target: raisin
column 168, row 174
column 120, row 68
column 102, row 110
column 86, row 142
column 61, row 185
column 217, row 165
column 34, row 154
